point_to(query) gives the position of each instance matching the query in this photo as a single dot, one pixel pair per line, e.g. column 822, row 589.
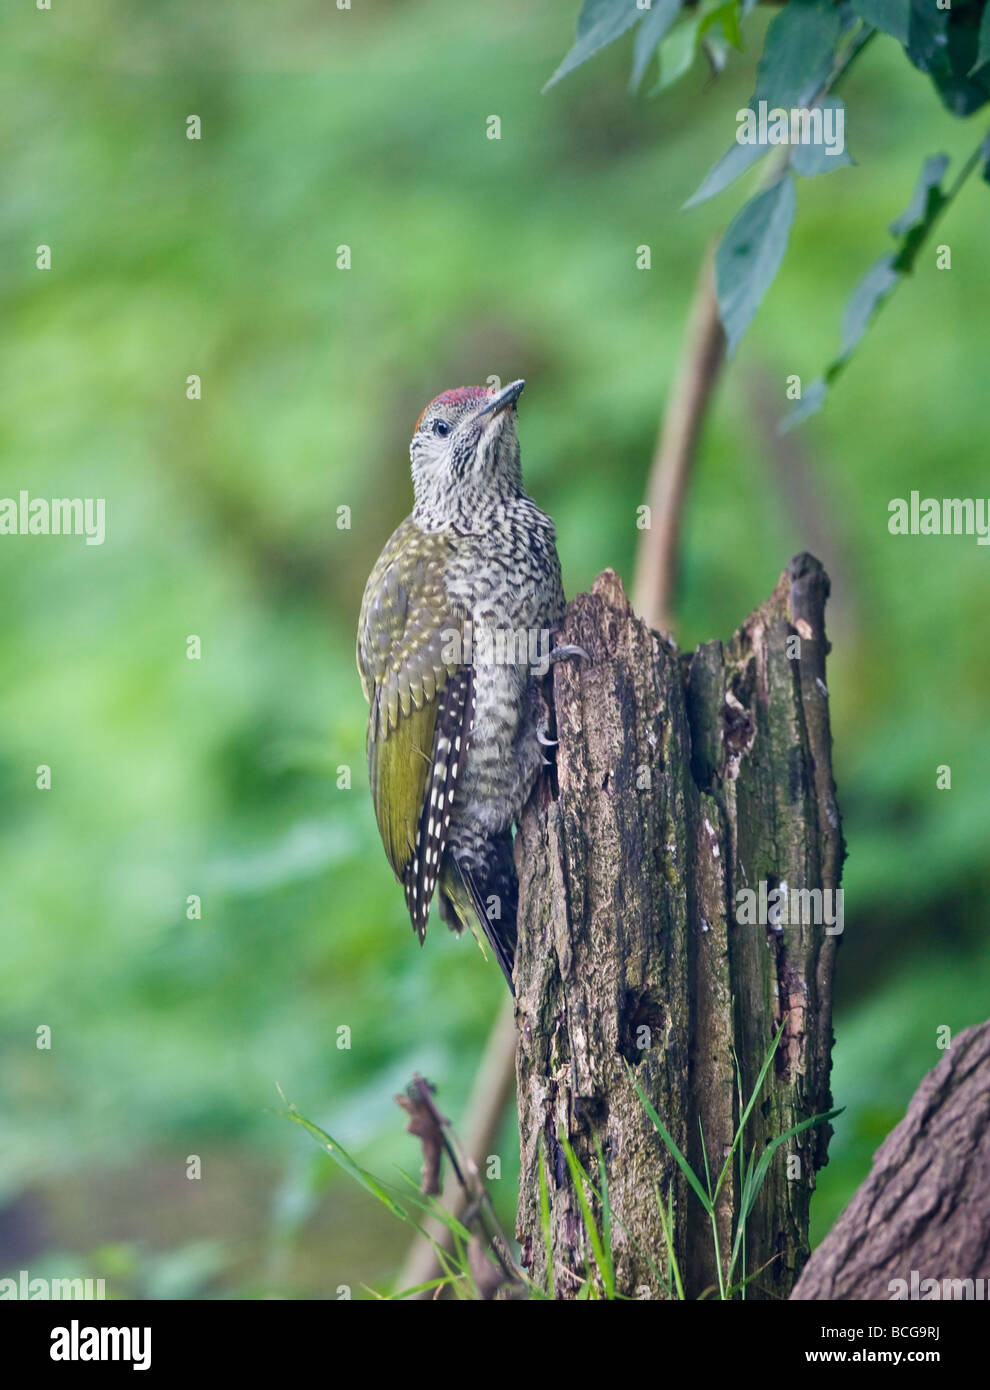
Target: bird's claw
column 541, row 737
column 565, row 653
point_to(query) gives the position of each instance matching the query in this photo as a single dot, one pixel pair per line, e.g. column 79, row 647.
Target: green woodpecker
column 453, row 639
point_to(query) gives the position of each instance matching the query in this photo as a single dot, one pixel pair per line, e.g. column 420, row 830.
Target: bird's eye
column 441, row 428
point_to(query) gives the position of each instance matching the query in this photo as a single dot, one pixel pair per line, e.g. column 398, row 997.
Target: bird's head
column 465, row 453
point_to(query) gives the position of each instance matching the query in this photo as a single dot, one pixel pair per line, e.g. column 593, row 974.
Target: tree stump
column 680, row 780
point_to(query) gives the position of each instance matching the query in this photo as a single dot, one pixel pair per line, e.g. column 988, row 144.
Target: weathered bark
column 682, row 779
column 924, row 1210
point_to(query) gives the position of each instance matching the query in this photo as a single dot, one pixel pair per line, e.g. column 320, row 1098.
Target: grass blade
column 672, row 1148
column 578, row 1178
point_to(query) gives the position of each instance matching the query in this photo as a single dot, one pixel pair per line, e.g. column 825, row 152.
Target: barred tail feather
column 469, row 891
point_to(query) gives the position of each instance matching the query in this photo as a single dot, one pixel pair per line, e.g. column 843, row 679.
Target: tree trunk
column 681, row 780
column 923, row 1214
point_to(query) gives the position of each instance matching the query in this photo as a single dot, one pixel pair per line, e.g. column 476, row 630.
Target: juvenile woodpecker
column 454, row 634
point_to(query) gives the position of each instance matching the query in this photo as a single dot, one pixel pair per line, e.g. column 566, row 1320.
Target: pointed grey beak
column 506, row 397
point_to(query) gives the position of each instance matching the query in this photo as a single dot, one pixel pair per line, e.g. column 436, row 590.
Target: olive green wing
column 408, row 652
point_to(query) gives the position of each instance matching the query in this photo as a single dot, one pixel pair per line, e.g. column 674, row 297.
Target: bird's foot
column 566, row 652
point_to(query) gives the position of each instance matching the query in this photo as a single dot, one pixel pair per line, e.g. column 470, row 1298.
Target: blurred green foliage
column 219, row 777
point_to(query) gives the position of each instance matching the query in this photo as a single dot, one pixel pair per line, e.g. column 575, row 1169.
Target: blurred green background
column 219, row 777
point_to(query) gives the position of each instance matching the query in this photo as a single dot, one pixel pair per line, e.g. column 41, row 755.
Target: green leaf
column 797, row 58
column 864, row 301
column 946, row 45
column 578, row 1179
column 603, row 1197
column 760, row 1172
column 927, row 27
column 412, row 1292
column 750, row 254
column 755, row 1177
column 757, row 1088
column 810, row 160
column 812, row 400
column 983, row 41
column 798, row 53
column 917, row 210
column 736, row 160
column 911, row 228
column 656, row 22
column 435, row 1208
column 727, row 16
column 890, row 16
column 863, row 304
column 678, row 54
column 545, row 1214
column 667, row 1224
column 925, row 205
column 341, row 1157
column 599, row 24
